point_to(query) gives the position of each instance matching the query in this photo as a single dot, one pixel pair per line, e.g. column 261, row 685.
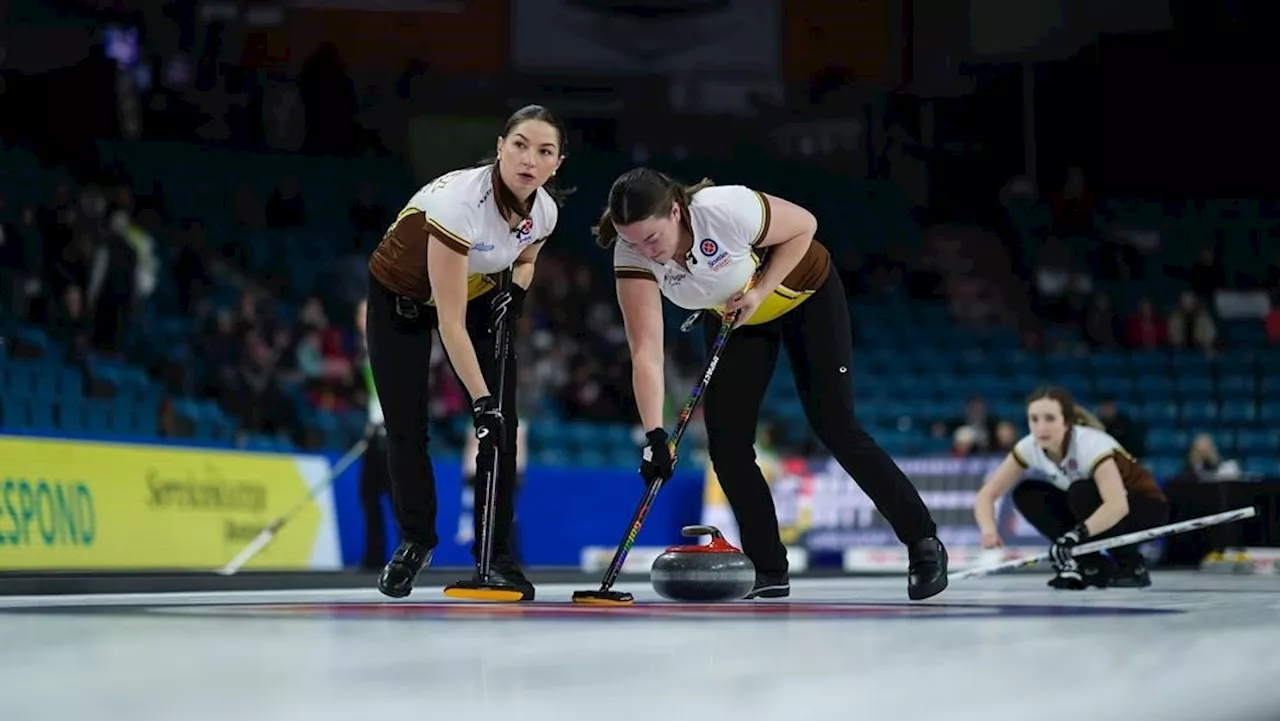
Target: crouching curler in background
column 1094, row 490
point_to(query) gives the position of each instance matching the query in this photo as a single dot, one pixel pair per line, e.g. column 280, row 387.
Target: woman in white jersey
column 1095, row 489
column 436, row 269
column 699, row 247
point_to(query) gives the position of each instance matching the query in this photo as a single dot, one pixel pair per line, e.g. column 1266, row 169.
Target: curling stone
column 714, row 572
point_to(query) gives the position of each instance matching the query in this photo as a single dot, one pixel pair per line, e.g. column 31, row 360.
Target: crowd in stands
column 1156, row 278
column 82, row 265
column 93, row 263
column 1081, row 251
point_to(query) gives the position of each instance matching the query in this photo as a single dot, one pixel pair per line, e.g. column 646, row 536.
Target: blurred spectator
column 15, row 236
column 112, row 284
column 369, row 217
column 70, row 324
column 1060, row 285
column 1130, row 433
column 249, row 212
column 1206, row 274
column 329, row 98
column 964, row 442
column 1006, row 437
column 1145, row 329
column 192, row 273
column 253, row 392
column 286, row 208
column 219, row 347
column 1204, row 463
column 1191, row 325
column 1074, row 204
column 979, row 419
column 1019, row 189
column 1102, row 327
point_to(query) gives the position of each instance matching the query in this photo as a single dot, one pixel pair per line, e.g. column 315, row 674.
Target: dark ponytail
column 605, row 232
column 642, row 193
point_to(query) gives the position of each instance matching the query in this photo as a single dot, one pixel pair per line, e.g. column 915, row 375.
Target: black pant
column 400, row 356
column 819, row 342
column 1054, row 511
column 513, row 539
column 374, row 483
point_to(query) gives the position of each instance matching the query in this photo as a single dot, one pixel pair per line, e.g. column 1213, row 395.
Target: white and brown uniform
column 727, row 222
column 459, row 208
column 1084, row 449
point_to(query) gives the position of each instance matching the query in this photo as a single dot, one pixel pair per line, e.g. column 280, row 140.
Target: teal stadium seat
column 1238, row 412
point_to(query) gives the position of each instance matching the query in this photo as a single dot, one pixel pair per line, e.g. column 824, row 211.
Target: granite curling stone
column 714, row 572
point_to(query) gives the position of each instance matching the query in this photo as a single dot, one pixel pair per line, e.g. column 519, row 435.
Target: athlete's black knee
column 1084, row 499
column 1044, row 506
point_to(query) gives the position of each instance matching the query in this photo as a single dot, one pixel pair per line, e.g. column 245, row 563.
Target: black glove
column 1060, row 551
column 488, row 421
column 656, row 460
column 508, row 304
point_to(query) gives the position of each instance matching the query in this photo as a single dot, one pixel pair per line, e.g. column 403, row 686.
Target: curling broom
column 605, row 594
column 1104, row 544
column 267, row 534
column 484, row 587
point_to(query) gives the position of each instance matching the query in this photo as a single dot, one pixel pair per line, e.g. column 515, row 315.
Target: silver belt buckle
column 406, row 308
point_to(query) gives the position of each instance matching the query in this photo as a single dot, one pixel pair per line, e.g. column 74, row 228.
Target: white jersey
column 461, row 205
column 728, row 222
column 459, row 208
column 1086, row 449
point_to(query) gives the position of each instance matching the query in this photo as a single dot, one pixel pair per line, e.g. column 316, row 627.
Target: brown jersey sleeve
column 1136, row 478
column 400, row 260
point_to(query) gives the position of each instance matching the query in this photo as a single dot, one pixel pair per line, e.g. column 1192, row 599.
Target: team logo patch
column 709, row 247
column 525, row 230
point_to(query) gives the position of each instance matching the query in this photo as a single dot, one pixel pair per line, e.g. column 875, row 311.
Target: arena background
column 1015, row 192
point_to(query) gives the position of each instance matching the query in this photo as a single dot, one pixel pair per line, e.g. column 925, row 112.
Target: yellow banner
column 78, row 505
column 790, row 500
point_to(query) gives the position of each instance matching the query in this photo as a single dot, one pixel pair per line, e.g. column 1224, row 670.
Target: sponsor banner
column 79, row 505
column 822, row 509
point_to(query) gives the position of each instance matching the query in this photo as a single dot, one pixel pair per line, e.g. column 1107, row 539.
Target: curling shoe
column 770, row 585
column 1096, row 570
column 1090, row 571
column 504, row 569
column 402, row 570
column 1068, row 579
column 926, row 568
column 1131, row 574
